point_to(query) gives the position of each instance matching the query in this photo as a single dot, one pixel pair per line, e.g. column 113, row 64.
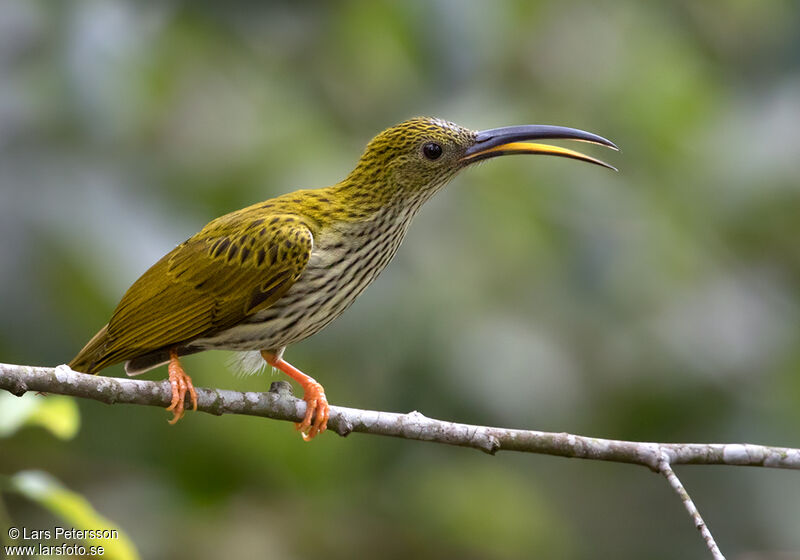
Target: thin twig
column 666, row 469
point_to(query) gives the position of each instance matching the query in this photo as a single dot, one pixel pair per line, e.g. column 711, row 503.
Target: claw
column 181, row 384
column 315, row 420
column 317, row 409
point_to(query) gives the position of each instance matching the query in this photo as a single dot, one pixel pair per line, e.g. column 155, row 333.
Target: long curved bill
column 511, row 140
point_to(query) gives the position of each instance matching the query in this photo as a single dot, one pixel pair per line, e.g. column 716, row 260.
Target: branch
column 280, row 404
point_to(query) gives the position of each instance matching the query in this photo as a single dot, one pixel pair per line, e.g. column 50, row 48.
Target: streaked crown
column 416, row 156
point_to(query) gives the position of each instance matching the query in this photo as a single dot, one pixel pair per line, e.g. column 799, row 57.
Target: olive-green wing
column 236, row 266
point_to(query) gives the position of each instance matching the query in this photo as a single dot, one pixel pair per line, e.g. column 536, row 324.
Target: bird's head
column 422, row 154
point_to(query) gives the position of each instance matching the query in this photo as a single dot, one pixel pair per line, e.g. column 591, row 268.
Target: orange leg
column 313, row 394
column 181, row 384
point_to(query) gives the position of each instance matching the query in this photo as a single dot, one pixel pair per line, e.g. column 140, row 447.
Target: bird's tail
column 91, row 358
column 100, row 352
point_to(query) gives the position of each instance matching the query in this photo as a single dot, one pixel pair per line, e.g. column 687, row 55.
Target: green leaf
column 55, row 413
column 75, row 510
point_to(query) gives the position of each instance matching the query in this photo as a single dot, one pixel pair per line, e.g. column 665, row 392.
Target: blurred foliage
column 57, row 414
column 661, row 303
column 74, row 511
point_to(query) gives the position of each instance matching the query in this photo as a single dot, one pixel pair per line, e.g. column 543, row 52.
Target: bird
column 272, row 274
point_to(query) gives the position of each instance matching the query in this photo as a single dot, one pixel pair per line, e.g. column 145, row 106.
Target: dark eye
column 432, row 150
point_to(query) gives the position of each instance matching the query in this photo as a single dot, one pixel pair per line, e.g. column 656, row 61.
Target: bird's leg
column 313, row 394
column 181, row 384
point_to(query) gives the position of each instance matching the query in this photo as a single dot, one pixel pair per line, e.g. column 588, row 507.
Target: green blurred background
column 659, row 303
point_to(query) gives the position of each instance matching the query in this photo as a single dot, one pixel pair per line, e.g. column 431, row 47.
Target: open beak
column 511, row 140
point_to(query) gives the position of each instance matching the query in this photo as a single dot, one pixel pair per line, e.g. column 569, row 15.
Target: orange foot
column 181, row 384
column 316, row 404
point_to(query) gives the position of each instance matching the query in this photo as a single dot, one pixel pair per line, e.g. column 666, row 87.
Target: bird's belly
column 334, row 277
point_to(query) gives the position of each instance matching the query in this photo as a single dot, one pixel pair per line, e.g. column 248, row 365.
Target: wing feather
column 237, row 265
